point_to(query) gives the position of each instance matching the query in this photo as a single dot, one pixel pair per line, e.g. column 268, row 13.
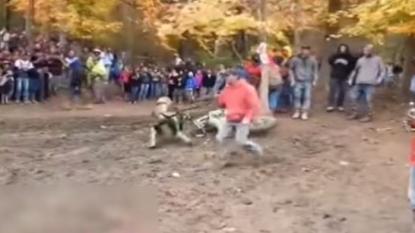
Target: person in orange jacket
column 411, row 186
column 242, row 105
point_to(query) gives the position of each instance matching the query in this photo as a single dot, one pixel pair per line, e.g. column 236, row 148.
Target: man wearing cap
column 303, row 70
column 242, row 105
column 368, row 72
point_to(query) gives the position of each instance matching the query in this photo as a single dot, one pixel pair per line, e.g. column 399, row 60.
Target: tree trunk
column 29, row 24
column 264, row 89
column 296, row 8
column 7, row 14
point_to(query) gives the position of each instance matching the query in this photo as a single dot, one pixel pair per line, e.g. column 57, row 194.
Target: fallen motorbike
column 215, row 118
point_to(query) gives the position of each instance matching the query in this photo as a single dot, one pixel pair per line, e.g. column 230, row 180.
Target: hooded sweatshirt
column 240, row 101
column 342, row 64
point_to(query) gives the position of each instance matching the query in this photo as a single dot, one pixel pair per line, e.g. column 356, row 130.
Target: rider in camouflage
column 169, row 118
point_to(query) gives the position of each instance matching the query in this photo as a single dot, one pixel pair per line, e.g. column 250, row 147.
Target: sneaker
column 366, row 119
column 296, row 115
column 330, row 109
column 340, row 109
column 353, row 116
column 304, row 116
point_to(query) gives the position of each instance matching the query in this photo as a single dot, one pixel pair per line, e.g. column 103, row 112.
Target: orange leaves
column 86, row 19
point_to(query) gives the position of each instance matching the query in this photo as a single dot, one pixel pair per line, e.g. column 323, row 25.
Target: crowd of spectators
column 35, row 75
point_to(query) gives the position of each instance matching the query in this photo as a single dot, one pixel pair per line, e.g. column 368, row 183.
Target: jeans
column 411, row 187
column 22, row 88
column 206, row 92
column 241, row 137
column 75, row 92
column 273, row 97
column 135, row 90
column 34, row 89
column 143, row 94
column 302, row 96
column 156, row 90
column 179, row 95
column 337, row 92
column 164, row 89
column 190, row 95
column 361, row 96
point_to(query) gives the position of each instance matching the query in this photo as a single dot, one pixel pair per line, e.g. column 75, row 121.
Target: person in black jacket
column 208, row 82
column 342, row 64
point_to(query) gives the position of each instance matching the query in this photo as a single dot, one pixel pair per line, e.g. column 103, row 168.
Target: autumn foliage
column 211, row 21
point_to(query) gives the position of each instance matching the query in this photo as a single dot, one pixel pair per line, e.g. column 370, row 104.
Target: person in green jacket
column 96, row 77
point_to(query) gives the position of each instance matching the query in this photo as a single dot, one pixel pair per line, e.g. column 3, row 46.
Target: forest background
column 220, row 31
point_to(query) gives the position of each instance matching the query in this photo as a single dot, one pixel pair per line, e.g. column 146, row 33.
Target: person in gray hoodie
column 367, row 74
column 303, row 70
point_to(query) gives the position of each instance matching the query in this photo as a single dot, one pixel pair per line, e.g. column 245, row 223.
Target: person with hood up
column 342, row 64
column 367, row 74
column 190, row 86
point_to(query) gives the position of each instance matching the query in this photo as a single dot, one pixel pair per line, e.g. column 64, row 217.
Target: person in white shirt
column 23, row 65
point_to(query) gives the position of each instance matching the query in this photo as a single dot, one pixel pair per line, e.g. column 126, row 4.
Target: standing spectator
column 6, row 80
column 304, row 73
column 107, row 59
column 164, row 82
column 220, row 80
column 135, row 84
column 75, row 75
column 208, row 83
column 125, row 77
column 172, row 83
column 156, row 84
column 368, row 73
column 179, row 92
column 342, row 64
column 190, row 87
column 23, row 66
column 99, row 77
column 55, row 67
column 145, row 80
column 37, row 77
column 198, row 79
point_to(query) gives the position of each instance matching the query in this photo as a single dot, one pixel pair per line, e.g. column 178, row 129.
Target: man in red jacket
column 411, row 186
column 242, row 105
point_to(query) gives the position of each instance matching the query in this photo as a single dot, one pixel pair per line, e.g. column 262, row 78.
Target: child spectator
column 190, row 87
column 135, row 84
column 125, row 76
column 6, row 80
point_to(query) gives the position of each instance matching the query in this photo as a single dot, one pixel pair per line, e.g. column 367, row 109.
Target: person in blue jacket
column 190, row 87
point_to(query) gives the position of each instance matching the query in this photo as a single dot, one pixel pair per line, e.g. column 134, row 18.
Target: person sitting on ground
column 168, row 120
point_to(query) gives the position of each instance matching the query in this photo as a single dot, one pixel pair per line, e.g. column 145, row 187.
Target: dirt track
column 326, row 175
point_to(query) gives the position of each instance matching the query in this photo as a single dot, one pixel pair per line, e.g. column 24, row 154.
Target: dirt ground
column 326, row 175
